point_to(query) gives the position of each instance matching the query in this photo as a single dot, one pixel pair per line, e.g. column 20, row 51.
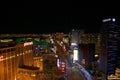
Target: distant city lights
column 96, row 55
column 109, row 19
column 113, row 19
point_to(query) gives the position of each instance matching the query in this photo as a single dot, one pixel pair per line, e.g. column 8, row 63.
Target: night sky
column 47, row 19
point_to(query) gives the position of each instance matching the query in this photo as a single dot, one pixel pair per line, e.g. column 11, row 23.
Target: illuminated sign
column 106, row 20
column 63, row 66
column 28, row 43
column 6, row 40
column 75, row 56
column 73, row 44
column 58, row 63
column 109, row 19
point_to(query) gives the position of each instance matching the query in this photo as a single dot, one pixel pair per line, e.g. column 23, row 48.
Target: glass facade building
column 109, row 48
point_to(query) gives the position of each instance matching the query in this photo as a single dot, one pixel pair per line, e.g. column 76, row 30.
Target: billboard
column 75, row 54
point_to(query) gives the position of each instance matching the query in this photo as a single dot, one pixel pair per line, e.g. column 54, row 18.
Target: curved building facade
column 11, row 58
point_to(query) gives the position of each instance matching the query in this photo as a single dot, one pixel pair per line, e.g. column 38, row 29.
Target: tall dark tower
column 109, row 46
column 74, row 42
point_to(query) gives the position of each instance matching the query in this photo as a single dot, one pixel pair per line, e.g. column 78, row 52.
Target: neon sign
column 28, row 43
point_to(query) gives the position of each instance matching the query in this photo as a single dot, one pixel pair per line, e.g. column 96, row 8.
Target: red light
column 63, row 65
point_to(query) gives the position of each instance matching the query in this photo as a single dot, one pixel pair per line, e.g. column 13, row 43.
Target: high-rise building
column 74, row 42
column 38, row 62
column 109, row 46
column 74, row 38
column 9, row 63
column 11, row 58
column 88, row 51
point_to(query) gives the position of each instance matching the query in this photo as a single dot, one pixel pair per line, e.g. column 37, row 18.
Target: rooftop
column 29, row 67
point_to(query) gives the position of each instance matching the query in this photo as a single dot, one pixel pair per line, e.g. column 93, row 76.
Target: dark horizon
column 32, row 20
